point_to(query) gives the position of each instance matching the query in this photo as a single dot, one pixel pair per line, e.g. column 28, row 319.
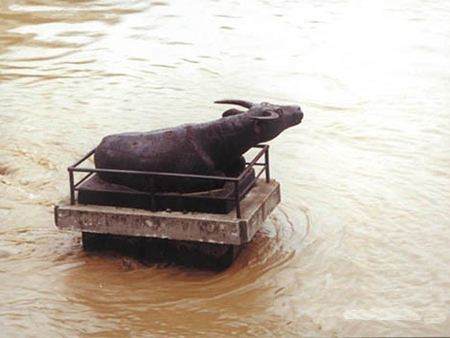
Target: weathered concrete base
column 217, row 236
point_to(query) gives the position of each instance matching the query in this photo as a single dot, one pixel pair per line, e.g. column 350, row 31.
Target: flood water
column 358, row 246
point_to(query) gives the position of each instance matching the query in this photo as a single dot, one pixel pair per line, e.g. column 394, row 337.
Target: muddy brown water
column 360, row 243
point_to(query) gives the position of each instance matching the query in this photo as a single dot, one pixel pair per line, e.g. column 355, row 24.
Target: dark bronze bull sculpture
column 211, row 148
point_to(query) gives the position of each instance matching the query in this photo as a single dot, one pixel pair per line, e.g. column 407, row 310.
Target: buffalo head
column 270, row 119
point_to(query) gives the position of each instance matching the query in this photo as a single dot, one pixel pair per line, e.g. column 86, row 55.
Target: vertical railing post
column 236, row 199
column 72, row 188
column 266, row 160
column 152, row 192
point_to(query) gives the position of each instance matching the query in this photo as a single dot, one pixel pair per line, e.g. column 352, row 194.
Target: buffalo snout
column 297, row 115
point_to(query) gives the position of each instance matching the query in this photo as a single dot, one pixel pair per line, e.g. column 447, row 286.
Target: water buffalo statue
column 211, row 148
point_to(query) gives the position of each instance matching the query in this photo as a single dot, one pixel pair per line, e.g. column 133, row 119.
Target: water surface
column 360, row 243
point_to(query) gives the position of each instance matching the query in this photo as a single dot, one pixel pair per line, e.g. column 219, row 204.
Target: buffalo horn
column 242, row 103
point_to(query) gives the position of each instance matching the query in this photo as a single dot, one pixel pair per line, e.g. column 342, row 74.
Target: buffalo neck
column 228, row 138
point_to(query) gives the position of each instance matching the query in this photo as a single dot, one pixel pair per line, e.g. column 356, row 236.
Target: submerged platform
column 178, row 226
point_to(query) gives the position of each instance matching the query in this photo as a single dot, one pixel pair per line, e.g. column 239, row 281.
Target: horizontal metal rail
column 237, row 194
column 145, row 193
column 152, row 173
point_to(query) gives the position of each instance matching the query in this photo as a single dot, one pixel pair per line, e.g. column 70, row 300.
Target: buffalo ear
column 265, row 115
column 231, row 112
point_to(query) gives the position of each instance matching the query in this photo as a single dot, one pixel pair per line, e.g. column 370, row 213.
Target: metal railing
column 237, row 193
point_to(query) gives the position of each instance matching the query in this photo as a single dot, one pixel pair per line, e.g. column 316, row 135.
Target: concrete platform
column 178, row 226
